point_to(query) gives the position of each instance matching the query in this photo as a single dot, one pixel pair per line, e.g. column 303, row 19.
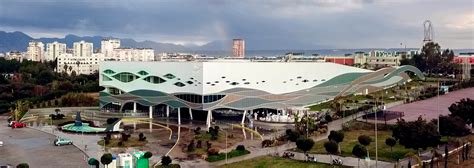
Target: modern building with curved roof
column 238, row 85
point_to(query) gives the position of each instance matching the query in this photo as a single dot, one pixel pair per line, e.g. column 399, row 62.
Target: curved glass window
column 114, row 91
column 212, row 98
column 169, row 76
column 125, row 77
column 194, row 98
column 234, row 83
column 189, row 82
column 106, row 78
column 108, row 71
column 179, row 84
column 143, row 73
column 154, row 79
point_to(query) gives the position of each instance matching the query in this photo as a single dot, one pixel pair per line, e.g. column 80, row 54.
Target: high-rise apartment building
column 83, row 49
column 134, row 54
column 107, row 46
column 35, row 51
column 238, row 48
column 53, row 50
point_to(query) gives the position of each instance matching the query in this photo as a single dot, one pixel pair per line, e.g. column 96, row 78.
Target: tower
column 428, row 30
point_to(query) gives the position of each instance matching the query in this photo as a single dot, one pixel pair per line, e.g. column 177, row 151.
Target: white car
column 1, row 143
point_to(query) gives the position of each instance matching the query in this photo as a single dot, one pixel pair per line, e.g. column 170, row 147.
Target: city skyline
column 273, row 25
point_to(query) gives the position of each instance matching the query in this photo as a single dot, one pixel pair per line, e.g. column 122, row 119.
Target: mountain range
column 19, row 41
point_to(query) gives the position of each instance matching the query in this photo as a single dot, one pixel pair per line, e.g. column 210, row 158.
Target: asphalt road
column 26, row 145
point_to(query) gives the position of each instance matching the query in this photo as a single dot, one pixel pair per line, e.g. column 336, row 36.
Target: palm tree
column 65, row 67
column 77, row 63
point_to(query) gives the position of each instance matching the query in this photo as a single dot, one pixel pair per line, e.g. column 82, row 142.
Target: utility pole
column 437, row 105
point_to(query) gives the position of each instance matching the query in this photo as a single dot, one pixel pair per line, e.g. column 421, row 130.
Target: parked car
column 1, row 143
column 16, row 124
column 62, row 141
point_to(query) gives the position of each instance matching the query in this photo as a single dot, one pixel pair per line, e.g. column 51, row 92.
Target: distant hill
column 19, row 41
column 13, row 41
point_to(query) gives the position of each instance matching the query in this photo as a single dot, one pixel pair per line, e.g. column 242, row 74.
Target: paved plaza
column 26, row 145
column 431, row 108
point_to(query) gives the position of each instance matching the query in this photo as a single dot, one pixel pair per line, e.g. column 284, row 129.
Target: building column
column 179, row 116
column 208, row 119
column 243, row 117
column 191, row 113
column 150, row 112
column 134, row 107
column 167, row 111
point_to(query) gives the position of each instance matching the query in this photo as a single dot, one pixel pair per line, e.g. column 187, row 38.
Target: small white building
column 125, row 160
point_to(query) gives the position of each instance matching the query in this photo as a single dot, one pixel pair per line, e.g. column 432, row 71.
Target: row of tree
column 37, row 82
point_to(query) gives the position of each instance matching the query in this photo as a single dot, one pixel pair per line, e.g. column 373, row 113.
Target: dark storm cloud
column 275, row 24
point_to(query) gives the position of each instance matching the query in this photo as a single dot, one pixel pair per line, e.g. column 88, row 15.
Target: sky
column 272, row 24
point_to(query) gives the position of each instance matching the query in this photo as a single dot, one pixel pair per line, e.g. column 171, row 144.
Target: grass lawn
column 231, row 154
column 131, row 142
column 275, row 162
column 203, row 136
column 350, row 140
column 319, row 107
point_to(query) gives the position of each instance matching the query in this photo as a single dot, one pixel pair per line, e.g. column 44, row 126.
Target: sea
column 322, row 52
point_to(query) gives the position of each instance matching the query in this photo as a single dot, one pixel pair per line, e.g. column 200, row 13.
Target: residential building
column 133, row 54
column 15, row 55
column 83, row 49
column 107, row 46
column 35, row 51
column 53, row 50
column 238, row 48
column 80, row 65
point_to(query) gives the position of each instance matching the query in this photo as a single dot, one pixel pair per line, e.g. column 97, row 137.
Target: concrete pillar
column 134, row 107
column 208, row 119
column 191, row 113
column 150, row 112
column 167, row 111
column 179, row 116
column 243, row 117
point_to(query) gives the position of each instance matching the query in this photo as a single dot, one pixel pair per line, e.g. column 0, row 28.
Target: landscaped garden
column 276, row 162
column 385, row 152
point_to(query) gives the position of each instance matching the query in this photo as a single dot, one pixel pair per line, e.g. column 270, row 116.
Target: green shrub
column 231, row 154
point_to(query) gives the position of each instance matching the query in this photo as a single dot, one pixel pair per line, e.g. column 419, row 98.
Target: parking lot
column 26, row 145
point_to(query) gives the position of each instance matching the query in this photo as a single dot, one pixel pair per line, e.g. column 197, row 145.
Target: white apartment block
column 107, row 46
column 15, row 55
column 134, row 54
column 81, row 65
column 35, row 51
column 53, row 50
column 83, row 49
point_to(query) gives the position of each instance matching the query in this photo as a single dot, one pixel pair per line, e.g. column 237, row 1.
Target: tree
column 452, row 126
column 292, row 135
column 364, row 140
column 93, row 162
column 304, row 144
column 390, row 142
column 463, row 109
column 417, row 134
column 360, row 152
column 336, row 136
column 147, row 155
column 166, row 160
column 240, row 148
column 331, row 147
column 23, row 165
column 106, row 159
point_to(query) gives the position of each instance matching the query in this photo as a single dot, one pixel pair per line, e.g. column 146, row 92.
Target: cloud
column 279, row 24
